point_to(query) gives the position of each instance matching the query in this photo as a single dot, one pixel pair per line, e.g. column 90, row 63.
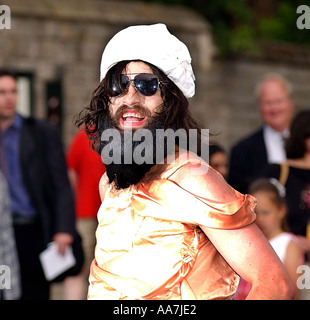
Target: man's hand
column 63, row 240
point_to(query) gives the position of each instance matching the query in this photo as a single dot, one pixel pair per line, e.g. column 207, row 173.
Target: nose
column 9, row 96
column 132, row 95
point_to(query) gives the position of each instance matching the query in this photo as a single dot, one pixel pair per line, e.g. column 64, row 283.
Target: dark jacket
column 45, row 175
column 248, row 161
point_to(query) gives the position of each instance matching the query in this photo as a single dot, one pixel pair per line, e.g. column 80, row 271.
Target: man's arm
column 249, row 253
column 103, row 185
column 245, row 249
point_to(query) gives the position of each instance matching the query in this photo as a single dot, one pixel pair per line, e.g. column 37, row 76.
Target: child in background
column 271, row 211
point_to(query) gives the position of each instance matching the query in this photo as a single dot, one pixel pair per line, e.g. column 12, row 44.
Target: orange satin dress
column 150, row 245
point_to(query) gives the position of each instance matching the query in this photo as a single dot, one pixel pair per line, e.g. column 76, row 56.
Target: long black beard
column 127, row 173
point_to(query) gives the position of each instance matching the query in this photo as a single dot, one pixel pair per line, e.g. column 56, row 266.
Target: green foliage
column 232, row 23
column 282, row 26
column 237, row 27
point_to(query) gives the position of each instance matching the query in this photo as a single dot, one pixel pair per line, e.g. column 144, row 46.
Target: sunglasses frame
column 112, row 83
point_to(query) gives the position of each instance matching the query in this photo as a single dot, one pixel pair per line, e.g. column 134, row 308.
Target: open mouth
column 131, row 118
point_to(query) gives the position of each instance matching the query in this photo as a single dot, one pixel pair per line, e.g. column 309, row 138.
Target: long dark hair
column 300, row 130
column 175, row 106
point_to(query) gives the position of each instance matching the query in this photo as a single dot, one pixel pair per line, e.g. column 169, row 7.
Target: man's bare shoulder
column 203, row 181
column 103, row 185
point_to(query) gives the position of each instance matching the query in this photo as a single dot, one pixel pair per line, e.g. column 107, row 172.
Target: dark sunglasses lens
column 146, row 83
column 124, row 82
column 118, row 87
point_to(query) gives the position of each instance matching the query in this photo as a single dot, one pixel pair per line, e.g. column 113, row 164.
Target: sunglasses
column 145, row 83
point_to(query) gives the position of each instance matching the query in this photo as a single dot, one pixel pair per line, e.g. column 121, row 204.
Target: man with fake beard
column 120, row 153
column 167, row 229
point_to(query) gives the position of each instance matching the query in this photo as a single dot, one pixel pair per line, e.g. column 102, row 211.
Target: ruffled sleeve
column 166, row 199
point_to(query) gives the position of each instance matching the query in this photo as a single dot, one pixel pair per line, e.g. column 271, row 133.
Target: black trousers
column 29, row 243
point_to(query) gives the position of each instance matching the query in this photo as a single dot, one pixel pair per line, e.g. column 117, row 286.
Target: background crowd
column 50, row 193
column 37, row 200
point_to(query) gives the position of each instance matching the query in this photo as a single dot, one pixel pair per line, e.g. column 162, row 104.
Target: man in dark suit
column 42, row 204
column 250, row 156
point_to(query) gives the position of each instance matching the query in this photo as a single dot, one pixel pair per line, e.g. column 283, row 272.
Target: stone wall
column 230, row 109
column 63, row 40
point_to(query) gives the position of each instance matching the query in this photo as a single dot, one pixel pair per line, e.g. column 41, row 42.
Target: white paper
column 54, row 263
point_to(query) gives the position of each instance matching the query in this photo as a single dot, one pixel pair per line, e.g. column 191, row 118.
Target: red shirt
column 89, row 168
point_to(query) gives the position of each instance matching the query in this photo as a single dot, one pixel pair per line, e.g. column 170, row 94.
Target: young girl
column 271, row 211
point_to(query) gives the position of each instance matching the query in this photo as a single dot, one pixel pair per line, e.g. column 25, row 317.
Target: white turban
column 156, row 45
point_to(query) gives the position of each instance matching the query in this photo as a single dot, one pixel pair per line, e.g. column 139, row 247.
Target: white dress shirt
column 275, row 144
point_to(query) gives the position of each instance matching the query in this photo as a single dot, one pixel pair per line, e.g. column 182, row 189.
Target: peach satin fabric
column 150, row 246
